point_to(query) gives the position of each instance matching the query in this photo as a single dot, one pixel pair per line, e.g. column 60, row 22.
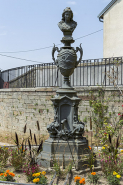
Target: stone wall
column 29, row 105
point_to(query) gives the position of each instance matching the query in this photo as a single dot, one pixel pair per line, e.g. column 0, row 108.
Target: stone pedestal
column 61, row 150
column 66, row 132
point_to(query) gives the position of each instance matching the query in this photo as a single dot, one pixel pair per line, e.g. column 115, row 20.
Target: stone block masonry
column 20, row 106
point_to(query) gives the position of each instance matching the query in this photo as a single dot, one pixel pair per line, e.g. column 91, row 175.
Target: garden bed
column 21, row 178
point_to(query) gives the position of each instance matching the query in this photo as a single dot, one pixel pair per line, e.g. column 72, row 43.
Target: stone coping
column 54, row 89
column 96, row 149
column 12, row 183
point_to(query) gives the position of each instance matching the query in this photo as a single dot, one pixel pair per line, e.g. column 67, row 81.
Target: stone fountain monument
column 66, row 131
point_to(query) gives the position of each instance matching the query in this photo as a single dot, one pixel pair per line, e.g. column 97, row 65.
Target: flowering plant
column 91, row 158
column 110, row 158
column 18, row 158
column 93, row 178
column 4, row 155
column 114, row 178
column 7, row 176
column 109, row 164
column 78, row 180
column 39, row 178
column 29, row 170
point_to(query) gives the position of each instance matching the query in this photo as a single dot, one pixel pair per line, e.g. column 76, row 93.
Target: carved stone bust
column 67, row 24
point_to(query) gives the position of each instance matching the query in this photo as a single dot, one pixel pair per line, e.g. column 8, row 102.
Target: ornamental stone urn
column 66, row 131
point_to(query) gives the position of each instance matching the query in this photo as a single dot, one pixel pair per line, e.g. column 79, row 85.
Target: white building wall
column 113, row 31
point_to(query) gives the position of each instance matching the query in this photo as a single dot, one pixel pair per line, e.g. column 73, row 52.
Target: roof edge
column 105, row 9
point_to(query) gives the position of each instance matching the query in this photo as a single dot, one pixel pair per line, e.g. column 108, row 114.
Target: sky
column 32, row 24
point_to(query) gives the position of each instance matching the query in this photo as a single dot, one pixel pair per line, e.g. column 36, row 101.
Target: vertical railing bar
column 90, row 71
column 117, row 72
column 33, row 71
column 39, row 75
column 87, row 72
column 98, row 71
column 21, row 77
column 47, row 75
column 109, row 70
column 35, row 74
column 105, row 71
column 32, row 76
column 80, row 73
column 54, row 79
column 44, row 74
column 18, row 78
column 94, row 72
column 121, row 70
column 39, row 78
column 113, row 71
column 101, row 70
column 8, row 76
column 83, row 72
column 26, row 77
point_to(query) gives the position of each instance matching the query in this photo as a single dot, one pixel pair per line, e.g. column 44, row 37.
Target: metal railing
column 88, row 73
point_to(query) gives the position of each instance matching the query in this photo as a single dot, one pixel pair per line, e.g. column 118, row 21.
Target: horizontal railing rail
column 93, row 72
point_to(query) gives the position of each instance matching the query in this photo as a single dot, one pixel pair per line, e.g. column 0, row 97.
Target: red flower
column 122, row 105
column 105, row 133
column 118, row 114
